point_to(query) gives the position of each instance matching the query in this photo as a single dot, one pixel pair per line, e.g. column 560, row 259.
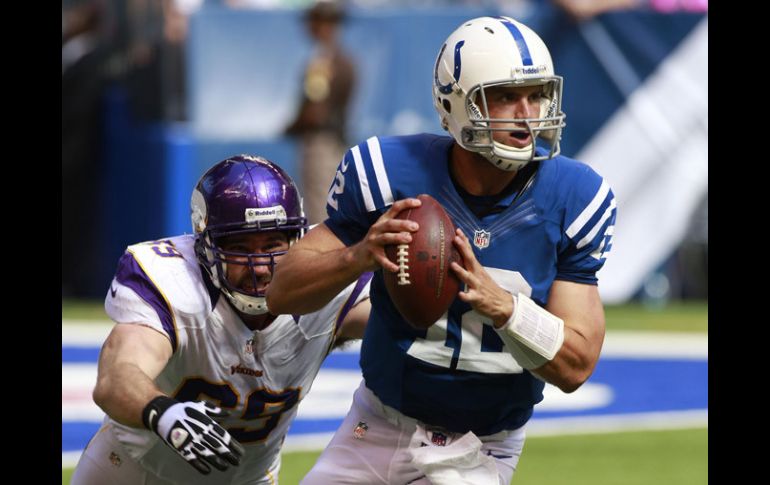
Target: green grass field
column 679, row 317
column 677, row 457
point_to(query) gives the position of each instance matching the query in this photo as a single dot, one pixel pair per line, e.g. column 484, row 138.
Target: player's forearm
column 123, row 392
column 573, row 364
column 306, row 280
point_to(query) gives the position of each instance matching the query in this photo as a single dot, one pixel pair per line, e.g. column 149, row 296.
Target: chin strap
column 250, row 305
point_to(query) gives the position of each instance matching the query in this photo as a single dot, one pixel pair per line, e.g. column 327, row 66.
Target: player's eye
column 507, row 97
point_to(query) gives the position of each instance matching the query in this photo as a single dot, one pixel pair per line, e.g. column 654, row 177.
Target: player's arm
column 560, row 343
column 319, row 266
column 354, row 324
column 130, row 359
column 581, row 309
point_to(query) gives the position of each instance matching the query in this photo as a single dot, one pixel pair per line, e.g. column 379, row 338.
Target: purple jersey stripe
column 131, row 274
column 362, row 281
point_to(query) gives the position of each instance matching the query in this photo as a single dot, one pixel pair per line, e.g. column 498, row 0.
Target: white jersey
column 258, row 376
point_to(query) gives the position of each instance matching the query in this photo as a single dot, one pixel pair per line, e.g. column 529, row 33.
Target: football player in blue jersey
column 450, row 404
column 198, row 378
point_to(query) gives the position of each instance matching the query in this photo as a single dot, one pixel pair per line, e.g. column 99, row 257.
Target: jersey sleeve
column 589, row 224
column 359, row 194
column 328, row 319
column 355, row 293
column 134, row 298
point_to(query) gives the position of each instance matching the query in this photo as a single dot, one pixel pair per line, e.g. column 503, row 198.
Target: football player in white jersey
column 198, row 378
column 449, row 405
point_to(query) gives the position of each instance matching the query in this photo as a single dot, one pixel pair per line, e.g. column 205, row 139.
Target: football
column 425, row 285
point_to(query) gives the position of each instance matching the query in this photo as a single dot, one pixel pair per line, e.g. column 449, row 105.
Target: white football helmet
column 495, row 51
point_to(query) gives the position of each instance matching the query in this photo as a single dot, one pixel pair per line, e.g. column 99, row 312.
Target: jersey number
column 261, row 405
column 471, row 344
column 338, row 186
column 165, row 249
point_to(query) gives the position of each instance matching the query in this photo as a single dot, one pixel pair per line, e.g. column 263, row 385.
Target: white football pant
column 376, row 444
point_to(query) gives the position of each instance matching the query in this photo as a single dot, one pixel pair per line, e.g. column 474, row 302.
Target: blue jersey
column 456, row 374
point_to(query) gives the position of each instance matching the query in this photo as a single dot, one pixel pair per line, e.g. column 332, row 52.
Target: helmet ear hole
column 447, row 105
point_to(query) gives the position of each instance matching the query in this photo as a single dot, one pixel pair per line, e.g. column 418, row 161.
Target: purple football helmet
column 241, row 195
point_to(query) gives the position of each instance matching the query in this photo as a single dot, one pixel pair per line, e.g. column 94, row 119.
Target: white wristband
column 532, row 335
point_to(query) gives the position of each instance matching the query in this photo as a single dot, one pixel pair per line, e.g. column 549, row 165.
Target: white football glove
column 188, row 428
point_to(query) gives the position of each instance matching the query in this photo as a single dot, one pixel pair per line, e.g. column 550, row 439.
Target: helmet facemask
column 247, row 298
column 478, row 134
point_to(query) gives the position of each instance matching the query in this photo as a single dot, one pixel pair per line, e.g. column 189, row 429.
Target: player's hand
column 481, row 291
column 387, row 230
column 188, row 428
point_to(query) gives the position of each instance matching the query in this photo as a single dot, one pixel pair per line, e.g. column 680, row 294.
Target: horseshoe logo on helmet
column 447, row 88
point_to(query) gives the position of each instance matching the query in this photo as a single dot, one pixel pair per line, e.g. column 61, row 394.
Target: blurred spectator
column 691, row 267
column 586, row 9
column 176, row 15
column 320, row 122
column 155, row 67
column 83, row 58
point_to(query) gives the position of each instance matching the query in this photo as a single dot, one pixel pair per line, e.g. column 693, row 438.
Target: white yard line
column 81, row 334
column 70, row 458
column 617, row 343
column 653, row 345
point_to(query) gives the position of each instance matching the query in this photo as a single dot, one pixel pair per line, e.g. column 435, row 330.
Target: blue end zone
column 637, row 386
column 342, row 360
column 76, row 434
column 644, row 386
column 79, row 355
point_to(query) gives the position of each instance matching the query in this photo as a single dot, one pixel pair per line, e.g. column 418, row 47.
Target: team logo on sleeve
column 481, row 238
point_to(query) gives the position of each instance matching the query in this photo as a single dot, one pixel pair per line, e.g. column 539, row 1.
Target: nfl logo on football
column 481, row 238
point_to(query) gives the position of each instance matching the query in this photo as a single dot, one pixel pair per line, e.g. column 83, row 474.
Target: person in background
column 320, row 122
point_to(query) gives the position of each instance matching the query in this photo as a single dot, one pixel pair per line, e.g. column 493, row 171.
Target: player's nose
column 525, row 108
column 262, row 266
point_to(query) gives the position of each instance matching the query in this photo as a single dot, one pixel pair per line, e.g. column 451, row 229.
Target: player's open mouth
column 520, row 139
column 252, row 290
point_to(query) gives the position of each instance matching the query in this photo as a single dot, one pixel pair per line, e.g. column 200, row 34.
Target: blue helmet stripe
column 519, row 38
